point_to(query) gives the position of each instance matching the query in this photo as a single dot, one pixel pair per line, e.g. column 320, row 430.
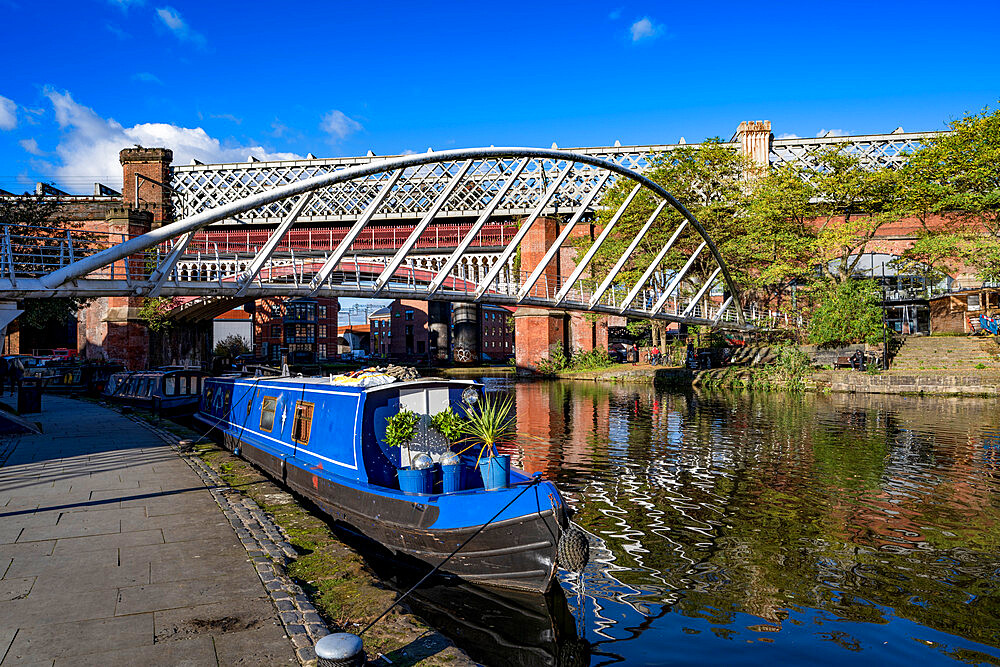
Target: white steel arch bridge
column 162, row 262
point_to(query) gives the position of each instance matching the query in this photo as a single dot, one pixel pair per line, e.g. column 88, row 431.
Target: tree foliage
column 232, row 346
column 848, row 312
column 155, row 312
column 811, row 228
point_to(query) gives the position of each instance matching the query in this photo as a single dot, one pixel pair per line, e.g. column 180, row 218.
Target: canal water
column 738, row 528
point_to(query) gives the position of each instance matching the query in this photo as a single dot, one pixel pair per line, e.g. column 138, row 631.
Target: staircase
column 953, row 354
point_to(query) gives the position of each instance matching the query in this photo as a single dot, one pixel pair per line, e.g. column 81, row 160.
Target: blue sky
column 222, row 80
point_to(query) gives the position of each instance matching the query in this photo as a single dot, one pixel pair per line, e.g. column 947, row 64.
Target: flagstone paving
column 114, row 552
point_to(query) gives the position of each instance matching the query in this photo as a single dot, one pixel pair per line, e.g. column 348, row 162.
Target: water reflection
column 738, row 527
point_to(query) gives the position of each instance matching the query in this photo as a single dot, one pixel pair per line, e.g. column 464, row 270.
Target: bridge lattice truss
column 200, row 187
column 73, row 263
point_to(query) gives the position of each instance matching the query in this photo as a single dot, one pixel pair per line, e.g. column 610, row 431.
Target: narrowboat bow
column 326, row 441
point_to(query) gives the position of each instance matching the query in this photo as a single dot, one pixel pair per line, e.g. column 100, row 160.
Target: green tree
column 952, row 185
column 778, row 245
column 155, row 312
column 848, row 312
column 232, row 346
column 853, row 204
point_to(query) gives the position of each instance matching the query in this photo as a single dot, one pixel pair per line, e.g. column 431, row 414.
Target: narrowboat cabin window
column 169, row 386
column 303, row 422
column 195, row 380
column 227, row 402
column 267, row 409
column 182, row 381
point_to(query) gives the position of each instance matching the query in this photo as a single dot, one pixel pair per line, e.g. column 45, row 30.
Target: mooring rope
column 535, row 479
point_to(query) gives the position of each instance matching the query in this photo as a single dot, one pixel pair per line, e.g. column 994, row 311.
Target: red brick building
column 496, row 332
column 305, row 329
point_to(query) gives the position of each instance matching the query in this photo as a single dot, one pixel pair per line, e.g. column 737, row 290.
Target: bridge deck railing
column 27, row 253
column 373, row 239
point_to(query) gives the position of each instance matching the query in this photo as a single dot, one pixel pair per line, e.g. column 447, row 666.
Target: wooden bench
column 842, row 362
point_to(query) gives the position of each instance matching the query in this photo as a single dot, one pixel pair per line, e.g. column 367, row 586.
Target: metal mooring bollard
column 341, row 649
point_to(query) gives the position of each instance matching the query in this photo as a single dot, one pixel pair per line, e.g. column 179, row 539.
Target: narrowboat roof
column 327, row 381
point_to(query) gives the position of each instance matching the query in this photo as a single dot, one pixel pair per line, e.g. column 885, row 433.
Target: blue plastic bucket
column 416, row 481
column 451, row 478
column 495, row 472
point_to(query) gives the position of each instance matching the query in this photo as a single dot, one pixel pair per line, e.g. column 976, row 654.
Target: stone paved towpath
column 114, row 552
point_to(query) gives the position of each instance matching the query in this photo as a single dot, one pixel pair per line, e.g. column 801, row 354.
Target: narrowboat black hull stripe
column 404, row 526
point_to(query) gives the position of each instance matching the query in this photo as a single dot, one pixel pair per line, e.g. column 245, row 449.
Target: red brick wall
column 536, row 329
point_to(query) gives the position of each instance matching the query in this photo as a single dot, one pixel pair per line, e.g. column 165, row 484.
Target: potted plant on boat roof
column 400, row 430
column 489, row 423
column 449, row 425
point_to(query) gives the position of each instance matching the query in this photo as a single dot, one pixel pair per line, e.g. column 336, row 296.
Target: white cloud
column 147, row 77
column 338, row 125
column 788, row 135
column 31, row 146
column 89, row 147
column 833, row 133
column 172, row 19
column 645, row 29
column 8, row 114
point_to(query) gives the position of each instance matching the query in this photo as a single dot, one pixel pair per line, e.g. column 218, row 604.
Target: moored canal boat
column 327, row 441
column 170, row 391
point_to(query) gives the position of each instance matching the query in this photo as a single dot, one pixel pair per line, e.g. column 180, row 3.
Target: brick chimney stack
column 153, row 163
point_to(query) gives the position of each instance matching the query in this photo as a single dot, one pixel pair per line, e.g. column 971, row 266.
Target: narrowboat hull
column 326, row 440
column 516, row 553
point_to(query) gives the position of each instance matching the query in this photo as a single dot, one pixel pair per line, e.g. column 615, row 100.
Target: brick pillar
column 113, row 327
column 152, row 163
column 537, row 329
column 755, row 145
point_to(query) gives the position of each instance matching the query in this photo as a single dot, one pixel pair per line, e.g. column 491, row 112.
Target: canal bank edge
column 766, row 379
column 331, row 575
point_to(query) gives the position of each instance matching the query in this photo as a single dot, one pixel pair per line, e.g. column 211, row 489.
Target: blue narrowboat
column 326, row 441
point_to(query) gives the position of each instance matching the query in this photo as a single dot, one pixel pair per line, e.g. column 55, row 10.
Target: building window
column 409, row 315
column 409, row 329
column 322, row 312
column 321, row 350
column 322, row 331
column 275, row 331
column 303, row 422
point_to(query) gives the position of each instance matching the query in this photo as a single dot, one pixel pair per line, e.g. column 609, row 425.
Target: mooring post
column 340, row 649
